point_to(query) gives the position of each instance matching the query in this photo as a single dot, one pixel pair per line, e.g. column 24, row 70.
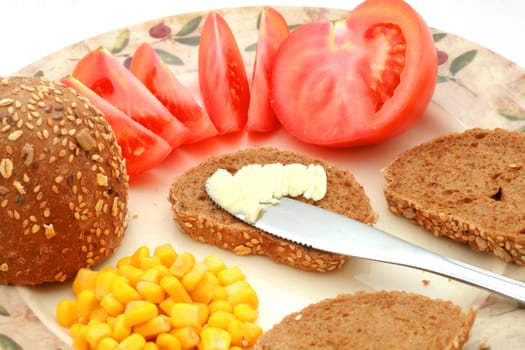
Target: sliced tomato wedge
column 273, row 29
column 357, row 81
column 222, row 76
column 141, row 148
column 103, row 73
column 149, row 68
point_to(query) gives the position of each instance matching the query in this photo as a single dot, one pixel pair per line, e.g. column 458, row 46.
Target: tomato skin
column 222, row 76
column 103, row 73
column 141, row 148
column 149, row 68
column 326, row 91
column 273, row 31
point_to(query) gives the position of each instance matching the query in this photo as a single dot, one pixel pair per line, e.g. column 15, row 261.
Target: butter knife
column 325, row 230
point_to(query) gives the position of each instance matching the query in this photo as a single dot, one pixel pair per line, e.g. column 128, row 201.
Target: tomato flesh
column 357, row 81
column 222, row 76
column 103, row 73
column 141, row 148
column 272, row 32
column 148, row 67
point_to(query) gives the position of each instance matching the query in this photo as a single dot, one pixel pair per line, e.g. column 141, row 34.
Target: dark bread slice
column 468, row 186
column 372, row 320
column 199, row 217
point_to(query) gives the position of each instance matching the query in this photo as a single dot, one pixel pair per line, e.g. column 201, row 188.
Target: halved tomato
column 273, row 29
column 222, row 76
column 356, row 81
column 149, row 68
column 141, row 148
column 104, row 74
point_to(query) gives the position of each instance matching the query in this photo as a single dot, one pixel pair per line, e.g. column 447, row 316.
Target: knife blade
column 325, row 230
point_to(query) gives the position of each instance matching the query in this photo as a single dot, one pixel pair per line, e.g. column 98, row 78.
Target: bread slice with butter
column 372, row 320
column 198, row 216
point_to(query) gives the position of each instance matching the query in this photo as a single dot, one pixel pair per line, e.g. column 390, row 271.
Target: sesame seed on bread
column 197, row 215
column 372, row 320
column 63, row 183
column 468, row 186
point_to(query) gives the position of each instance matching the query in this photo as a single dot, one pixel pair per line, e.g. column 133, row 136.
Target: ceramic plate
column 476, row 88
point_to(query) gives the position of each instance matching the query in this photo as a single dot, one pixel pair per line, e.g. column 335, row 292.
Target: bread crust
column 467, row 186
column 63, row 183
column 372, row 320
column 201, row 219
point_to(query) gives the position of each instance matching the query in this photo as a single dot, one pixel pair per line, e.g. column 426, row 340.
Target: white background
column 32, row 29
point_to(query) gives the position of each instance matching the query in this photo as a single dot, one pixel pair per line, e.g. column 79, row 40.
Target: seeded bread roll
column 201, row 219
column 468, row 186
column 63, row 183
column 372, row 320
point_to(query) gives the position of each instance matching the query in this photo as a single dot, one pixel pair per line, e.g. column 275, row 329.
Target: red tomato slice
column 149, row 68
column 356, row 81
column 104, row 74
column 222, row 76
column 141, row 147
column 273, row 30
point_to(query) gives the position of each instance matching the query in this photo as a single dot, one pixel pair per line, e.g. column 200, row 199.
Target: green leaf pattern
column 121, row 41
column 462, row 61
column 6, row 343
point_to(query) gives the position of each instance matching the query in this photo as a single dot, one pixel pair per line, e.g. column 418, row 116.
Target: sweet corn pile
column 163, row 300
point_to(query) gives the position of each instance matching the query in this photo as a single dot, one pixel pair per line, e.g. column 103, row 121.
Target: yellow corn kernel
column 107, row 344
column 219, row 293
column 157, row 325
column 133, row 342
column 77, row 329
column 215, row 339
column 138, row 255
column 79, row 340
column 112, row 305
column 138, row 311
column 220, row 319
column 104, row 283
column 166, row 305
column 194, row 275
column 155, row 273
column 87, row 302
column 167, row 341
column 131, row 273
column 236, row 348
column 236, row 330
column 126, row 260
column 252, row 332
column 124, row 292
column 147, row 262
column 215, row 263
column 67, row 312
column 230, row 275
column 204, row 291
column 182, row 264
column 95, row 332
column 203, row 312
column 85, row 279
column 241, row 292
column 187, row 336
column 151, row 346
column 151, row 291
column 185, row 315
column 99, row 314
column 120, row 329
column 166, row 253
column 175, row 289
column 245, row 312
column 220, row 305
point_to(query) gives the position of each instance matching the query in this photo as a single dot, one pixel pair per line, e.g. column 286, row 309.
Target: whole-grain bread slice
column 468, row 186
column 372, row 320
column 201, row 219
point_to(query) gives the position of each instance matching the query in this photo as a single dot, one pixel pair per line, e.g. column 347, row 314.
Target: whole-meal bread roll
column 467, row 186
column 372, row 320
column 198, row 216
column 63, row 183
